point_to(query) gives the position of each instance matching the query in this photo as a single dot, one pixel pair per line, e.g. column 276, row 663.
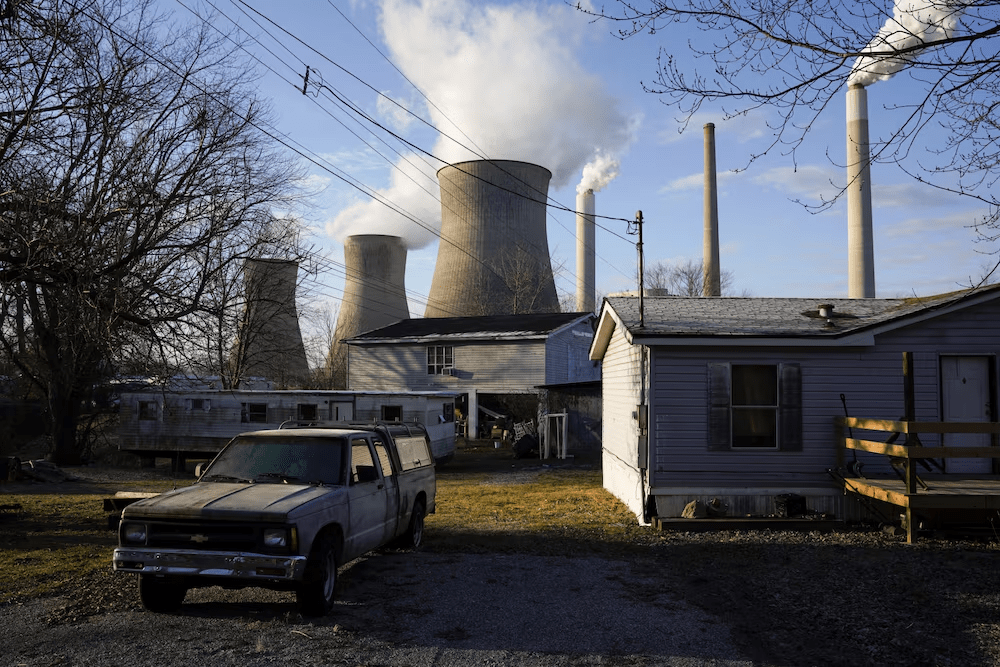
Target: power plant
column 269, row 341
column 585, row 264
column 374, row 289
column 860, row 244
column 493, row 257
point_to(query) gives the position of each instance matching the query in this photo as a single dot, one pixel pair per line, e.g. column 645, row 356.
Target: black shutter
column 718, row 407
column 790, row 407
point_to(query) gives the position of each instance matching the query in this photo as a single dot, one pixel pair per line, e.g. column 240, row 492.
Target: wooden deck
column 957, row 493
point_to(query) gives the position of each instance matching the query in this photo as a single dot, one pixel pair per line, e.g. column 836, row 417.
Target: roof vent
column 825, row 310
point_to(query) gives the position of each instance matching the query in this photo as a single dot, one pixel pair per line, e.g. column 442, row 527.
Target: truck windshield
column 280, row 460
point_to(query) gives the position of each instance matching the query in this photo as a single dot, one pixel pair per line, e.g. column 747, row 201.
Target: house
column 495, row 363
column 735, row 398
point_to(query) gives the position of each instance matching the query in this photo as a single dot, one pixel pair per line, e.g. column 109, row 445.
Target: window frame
column 788, row 411
column 440, row 358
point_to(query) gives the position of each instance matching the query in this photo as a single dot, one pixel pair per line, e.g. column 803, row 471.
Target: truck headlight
column 134, row 533
column 275, row 537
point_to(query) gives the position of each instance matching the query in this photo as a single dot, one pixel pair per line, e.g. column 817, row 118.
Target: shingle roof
column 773, row 317
column 487, row 327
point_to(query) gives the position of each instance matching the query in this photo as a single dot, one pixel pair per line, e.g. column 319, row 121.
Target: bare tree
column 517, row 282
column 684, row 278
column 134, row 174
column 796, row 57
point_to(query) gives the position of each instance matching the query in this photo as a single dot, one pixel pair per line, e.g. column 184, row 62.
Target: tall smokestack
column 860, row 246
column 712, row 278
column 493, row 258
column 585, row 251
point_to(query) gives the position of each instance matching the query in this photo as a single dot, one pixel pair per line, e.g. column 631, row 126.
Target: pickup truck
column 281, row 509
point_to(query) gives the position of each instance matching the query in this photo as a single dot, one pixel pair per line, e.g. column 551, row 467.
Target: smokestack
column 860, row 246
column 585, row 251
column 493, row 258
column 270, row 341
column 712, row 278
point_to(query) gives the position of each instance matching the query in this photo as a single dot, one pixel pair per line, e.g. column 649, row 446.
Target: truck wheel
column 414, row 535
column 315, row 594
column 161, row 594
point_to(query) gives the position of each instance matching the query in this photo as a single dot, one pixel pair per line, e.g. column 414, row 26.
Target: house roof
column 766, row 321
column 492, row 327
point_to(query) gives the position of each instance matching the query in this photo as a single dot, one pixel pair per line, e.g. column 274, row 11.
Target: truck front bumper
column 225, row 564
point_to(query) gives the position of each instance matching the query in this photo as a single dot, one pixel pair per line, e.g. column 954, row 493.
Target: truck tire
column 161, row 594
column 414, row 535
column 315, row 595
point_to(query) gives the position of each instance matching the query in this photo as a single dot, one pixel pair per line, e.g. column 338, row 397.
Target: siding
column 870, row 378
column 566, row 356
column 620, row 395
column 495, row 367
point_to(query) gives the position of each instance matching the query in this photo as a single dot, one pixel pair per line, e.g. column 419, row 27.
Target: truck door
column 367, row 497
column 392, row 508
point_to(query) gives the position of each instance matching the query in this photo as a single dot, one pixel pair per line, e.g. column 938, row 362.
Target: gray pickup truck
column 281, row 509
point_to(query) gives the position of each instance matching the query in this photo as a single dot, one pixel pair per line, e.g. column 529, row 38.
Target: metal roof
column 529, row 325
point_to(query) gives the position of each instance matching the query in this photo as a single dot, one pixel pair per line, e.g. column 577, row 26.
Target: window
column 148, row 411
column 362, row 464
column 383, row 457
column 440, row 359
column 755, row 406
column 308, row 412
column 253, row 413
column 199, row 404
column 392, row 413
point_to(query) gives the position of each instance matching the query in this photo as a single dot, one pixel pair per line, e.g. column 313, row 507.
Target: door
column 965, row 397
column 368, row 497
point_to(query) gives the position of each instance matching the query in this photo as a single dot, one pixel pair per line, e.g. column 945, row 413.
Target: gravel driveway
column 395, row 608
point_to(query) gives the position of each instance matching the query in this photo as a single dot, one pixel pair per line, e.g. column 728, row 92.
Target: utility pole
column 642, row 271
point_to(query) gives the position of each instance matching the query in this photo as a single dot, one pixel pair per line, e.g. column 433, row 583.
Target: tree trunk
column 64, row 408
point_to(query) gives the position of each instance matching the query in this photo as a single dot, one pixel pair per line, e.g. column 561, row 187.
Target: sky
column 397, row 87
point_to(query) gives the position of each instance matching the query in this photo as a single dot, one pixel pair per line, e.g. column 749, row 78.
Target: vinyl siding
column 871, row 380
column 620, row 395
column 566, row 357
column 493, row 367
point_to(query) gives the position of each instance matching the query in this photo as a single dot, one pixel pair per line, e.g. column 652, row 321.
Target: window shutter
column 718, row 407
column 790, row 407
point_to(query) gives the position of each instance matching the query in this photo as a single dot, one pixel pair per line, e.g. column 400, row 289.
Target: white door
column 965, row 397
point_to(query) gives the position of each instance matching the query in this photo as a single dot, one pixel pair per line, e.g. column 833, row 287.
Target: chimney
column 860, row 247
column 711, row 280
column 585, row 251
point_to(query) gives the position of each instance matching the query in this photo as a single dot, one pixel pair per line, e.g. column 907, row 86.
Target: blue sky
column 540, row 82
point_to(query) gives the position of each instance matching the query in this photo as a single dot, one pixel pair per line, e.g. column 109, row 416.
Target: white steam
column 506, row 82
column 913, row 23
column 598, row 173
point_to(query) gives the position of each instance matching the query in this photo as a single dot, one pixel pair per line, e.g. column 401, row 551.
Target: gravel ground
column 858, row 597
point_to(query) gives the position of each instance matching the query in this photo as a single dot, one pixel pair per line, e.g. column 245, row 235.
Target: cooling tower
column 493, row 258
column 374, row 289
column 860, row 246
column 270, row 341
column 585, row 263
column 712, row 272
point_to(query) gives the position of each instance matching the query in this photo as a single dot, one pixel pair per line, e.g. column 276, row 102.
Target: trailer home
column 197, row 423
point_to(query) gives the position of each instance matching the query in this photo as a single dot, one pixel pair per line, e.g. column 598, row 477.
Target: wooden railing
column 903, row 441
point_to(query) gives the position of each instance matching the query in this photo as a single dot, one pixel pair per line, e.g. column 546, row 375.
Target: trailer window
column 148, row 411
column 253, row 413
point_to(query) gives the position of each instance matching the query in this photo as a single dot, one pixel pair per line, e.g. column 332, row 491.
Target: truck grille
column 205, row 536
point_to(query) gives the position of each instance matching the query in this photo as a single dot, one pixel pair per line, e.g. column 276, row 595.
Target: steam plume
column 598, row 173
column 913, row 23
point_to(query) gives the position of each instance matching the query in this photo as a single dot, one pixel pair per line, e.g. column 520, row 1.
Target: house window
column 148, row 411
column 308, row 412
column 440, row 359
column 755, row 406
column 392, row 413
column 254, row 413
column 200, row 404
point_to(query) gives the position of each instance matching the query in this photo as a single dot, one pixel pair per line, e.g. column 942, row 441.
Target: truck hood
column 224, row 500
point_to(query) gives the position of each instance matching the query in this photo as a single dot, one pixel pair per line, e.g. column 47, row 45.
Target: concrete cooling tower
column 270, row 341
column 493, row 257
column 375, row 288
